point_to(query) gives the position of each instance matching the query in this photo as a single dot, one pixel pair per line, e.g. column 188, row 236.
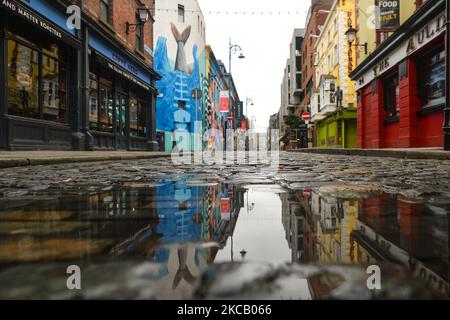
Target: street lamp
column 232, row 49
column 447, row 83
column 247, row 101
column 143, row 14
column 351, row 38
column 196, row 95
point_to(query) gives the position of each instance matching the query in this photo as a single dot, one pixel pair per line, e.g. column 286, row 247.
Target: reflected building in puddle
column 173, row 223
column 372, row 230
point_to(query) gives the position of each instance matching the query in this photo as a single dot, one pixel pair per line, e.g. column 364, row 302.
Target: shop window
column 54, row 87
column 31, row 68
column 432, row 78
column 23, row 80
column 106, row 106
column 391, row 94
column 93, row 103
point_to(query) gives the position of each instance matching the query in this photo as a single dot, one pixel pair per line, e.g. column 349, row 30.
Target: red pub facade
column 401, row 85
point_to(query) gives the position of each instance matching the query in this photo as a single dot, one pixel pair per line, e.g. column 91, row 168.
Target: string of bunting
column 254, row 12
column 243, row 13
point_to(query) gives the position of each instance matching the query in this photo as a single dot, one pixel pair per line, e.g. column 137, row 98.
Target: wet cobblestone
column 413, row 178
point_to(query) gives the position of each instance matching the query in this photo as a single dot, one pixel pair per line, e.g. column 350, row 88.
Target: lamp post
column 351, row 38
column 143, row 14
column 232, row 49
column 447, row 83
column 247, row 101
column 196, row 95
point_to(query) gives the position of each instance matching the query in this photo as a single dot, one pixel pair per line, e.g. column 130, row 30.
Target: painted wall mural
column 186, row 63
column 180, row 44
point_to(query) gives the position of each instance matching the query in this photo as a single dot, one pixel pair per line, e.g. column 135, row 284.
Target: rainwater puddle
column 155, row 239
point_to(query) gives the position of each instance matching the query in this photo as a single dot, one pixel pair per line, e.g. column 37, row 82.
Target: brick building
column 317, row 15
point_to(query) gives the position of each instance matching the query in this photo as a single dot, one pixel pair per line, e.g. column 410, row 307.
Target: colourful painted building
column 179, row 54
column 187, row 66
column 333, row 103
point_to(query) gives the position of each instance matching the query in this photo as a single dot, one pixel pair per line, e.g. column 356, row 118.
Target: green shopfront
column 338, row 130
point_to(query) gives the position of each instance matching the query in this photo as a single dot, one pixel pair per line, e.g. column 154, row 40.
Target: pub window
column 54, row 87
column 32, row 67
column 93, row 102
column 138, row 116
column 105, row 10
column 432, row 78
column 391, row 94
column 23, row 80
column 106, row 106
column 142, row 118
column 139, row 36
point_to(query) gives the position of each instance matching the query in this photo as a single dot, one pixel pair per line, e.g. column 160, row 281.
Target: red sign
column 244, row 125
column 306, row 116
column 224, row 101
column 225, row 205
column 225, row 209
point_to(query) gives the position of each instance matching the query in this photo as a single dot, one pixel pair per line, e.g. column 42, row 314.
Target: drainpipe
column 447, row 91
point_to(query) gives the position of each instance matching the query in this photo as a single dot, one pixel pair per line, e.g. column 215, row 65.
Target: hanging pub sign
column 224, row 101
column 388, row 14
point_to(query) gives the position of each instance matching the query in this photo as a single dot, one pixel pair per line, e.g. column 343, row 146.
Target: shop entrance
column 121, row 121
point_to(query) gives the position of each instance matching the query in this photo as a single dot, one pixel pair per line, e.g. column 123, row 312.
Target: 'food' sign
column 388, row 14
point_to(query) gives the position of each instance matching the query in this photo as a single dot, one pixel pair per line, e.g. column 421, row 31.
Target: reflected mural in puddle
column 179, row 224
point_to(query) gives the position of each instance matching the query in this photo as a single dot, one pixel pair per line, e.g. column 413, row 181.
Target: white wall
column 195, row 19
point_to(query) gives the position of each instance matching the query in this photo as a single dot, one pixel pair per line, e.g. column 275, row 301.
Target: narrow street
column 220, row 158
column 149, row 229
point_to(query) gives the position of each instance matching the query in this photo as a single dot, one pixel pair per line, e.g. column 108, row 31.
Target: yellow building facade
column 333, row 106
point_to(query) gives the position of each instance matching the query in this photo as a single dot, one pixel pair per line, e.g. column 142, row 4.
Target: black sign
column 388, row 14
column 239, row 110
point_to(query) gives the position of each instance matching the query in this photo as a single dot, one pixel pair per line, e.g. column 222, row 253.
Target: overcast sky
column 265, row 40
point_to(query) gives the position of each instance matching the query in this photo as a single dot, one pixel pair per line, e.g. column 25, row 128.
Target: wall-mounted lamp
column 351, row 38
column 143, row 14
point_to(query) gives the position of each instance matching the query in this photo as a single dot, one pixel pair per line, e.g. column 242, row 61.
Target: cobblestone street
column 297, row 171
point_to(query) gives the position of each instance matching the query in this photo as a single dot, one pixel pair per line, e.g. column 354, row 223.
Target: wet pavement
column 148, row 229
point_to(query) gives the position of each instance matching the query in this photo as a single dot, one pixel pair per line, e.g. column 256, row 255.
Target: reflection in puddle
column 187, row 225
column 381, row 229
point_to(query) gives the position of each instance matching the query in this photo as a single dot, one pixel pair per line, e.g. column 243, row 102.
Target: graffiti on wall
column 186, row 64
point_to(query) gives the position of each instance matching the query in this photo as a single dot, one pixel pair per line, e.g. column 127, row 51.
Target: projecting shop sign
column 224, row 101
column 388, row 14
